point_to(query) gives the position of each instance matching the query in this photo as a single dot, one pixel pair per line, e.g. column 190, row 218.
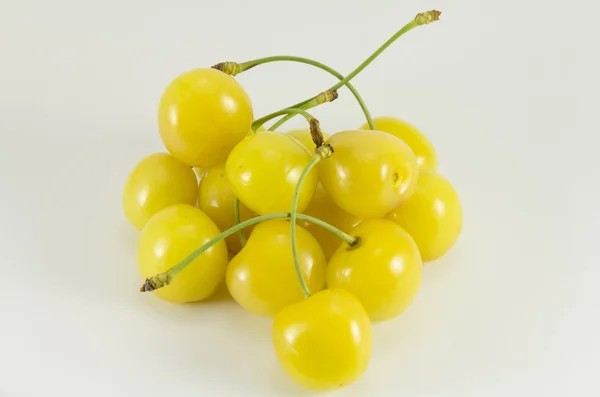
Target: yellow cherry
column 324, row 342
column 370, row 172
column 202, row 115
column 168, row 238
column 384, row 271
column 415, row 139
column 262, row 277
column 432, row 215
column 263, row 171
column 157, row 181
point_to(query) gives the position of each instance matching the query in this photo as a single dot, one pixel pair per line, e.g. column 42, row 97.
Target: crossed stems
column 322, row 151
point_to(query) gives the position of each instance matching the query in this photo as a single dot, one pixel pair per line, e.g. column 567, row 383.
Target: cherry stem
column 314, row 123
column 236, row 214
column 294, row 215
column 421, row 19
column 242, row 67
column 258, row 123
column 163, row 279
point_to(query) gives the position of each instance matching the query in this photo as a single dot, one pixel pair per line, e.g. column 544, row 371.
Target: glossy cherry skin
column 432, row 215
column 202, row 115
column 168, row 238
column 370, row 172
column 324, row 342
column 263, row 171
column 262, row 276
column 384, row 271
column 157, row 181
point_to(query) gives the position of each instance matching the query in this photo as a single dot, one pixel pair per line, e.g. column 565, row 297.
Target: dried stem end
column 427, row 17
column 230, row 68
column 326, row 96
column 316, row 133
column 156, row 282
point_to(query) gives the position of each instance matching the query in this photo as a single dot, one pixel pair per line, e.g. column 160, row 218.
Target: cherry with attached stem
column 327, row 96
column 322, row 151
column 163, row 279
column 233, row 68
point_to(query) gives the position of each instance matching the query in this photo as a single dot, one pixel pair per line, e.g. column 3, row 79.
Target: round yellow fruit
column 324, row 342
column 432, row 215
column 202, row 115
column 168, row 238
column 157, row 181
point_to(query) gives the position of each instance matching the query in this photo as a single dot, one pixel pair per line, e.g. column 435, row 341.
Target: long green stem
column 258, row 123
column 420, row 19
column 236, row 214
column 307, row 105
column 289, row 58
column 294, row 215
column 163, row 279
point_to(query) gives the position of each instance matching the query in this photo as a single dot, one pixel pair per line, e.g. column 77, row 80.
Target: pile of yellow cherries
column 326, row 234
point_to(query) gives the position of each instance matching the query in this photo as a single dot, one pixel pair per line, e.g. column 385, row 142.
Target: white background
column 504, row 89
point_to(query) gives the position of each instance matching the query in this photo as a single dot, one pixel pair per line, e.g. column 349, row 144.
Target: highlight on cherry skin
column 370, row 173
column 432, row 215
column 203, row 114
column 421, row 146
column 261, row 277
column 156, row 182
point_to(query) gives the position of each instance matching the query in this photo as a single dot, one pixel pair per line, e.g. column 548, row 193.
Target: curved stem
column 309, row 104
column 289, row 58
column 258, row 123
column 236, row 214
column 348, row 239
column 163, row 279
column 406, row 28
column 294, row 215
column 420, row 19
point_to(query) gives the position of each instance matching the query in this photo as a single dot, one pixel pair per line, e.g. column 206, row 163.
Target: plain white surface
column 502, row 88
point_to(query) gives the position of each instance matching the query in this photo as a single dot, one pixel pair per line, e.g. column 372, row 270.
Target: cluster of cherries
column 326, row 234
